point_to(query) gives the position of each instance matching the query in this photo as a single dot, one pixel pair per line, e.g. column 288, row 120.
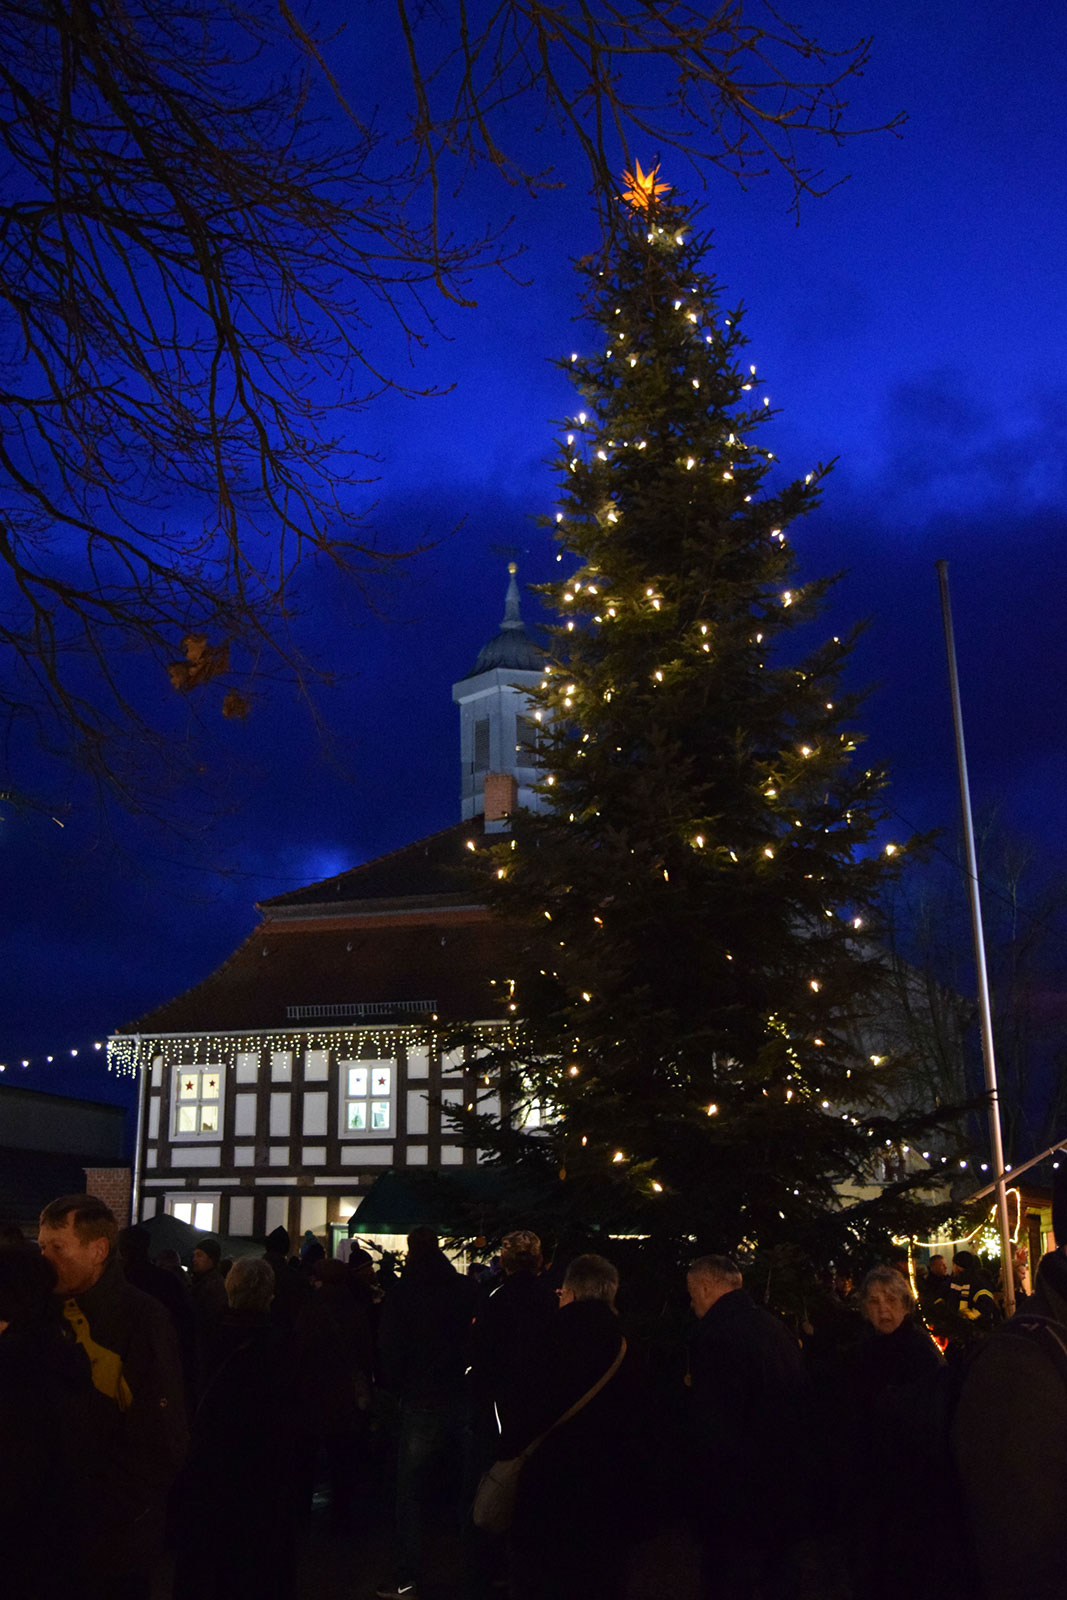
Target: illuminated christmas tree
column 702, row 891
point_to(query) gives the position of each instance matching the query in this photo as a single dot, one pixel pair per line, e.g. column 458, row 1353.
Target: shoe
column 397, row 1591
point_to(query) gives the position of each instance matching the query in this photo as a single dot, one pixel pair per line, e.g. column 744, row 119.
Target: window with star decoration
column 198, row 1101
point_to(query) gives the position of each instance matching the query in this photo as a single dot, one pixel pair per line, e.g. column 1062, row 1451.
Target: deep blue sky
column 913, row 326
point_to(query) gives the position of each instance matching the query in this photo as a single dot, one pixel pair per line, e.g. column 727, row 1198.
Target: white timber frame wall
column 242, row 1132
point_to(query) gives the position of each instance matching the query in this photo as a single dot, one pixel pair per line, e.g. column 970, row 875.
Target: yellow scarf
column 106, row 1365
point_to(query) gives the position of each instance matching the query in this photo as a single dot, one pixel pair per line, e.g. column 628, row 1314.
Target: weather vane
column 643, row 189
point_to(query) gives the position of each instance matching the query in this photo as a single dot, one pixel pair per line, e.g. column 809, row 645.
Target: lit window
column 201, row 1214
column 368, row 1096
column 198, row 1101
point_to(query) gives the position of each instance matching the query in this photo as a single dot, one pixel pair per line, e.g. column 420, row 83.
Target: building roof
column 513, row 647
column 400, row 939
column 29, row 1179
column 431, row 868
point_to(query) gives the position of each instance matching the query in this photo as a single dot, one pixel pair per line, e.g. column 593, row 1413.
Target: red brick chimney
column 501, row 800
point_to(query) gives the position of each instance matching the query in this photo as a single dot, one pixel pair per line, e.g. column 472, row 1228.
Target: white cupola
column 497, row 731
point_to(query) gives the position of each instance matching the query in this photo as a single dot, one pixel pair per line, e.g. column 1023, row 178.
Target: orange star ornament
column 643, row 189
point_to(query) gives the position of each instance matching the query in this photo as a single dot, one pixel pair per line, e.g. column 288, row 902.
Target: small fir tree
column 701, row 892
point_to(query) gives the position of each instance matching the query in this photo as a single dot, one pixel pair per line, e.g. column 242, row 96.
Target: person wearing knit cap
column 1009, row 1438
column 208, row 1295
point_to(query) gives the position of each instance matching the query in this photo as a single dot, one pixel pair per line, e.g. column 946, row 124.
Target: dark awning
column 463, row 1202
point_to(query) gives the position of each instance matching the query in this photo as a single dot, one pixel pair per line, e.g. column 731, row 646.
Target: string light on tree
column 694, row 868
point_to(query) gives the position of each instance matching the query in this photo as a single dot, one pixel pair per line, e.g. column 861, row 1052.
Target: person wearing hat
column 208, row 1292
column 1009, row 1437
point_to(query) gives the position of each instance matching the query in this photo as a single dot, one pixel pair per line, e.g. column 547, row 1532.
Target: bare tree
column 198, row 223
column 930, row 1005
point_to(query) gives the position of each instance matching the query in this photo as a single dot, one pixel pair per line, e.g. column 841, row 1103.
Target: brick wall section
column 113, row 1186
column 501, row 796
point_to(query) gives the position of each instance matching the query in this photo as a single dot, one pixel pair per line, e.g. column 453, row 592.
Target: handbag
column 494, row 1499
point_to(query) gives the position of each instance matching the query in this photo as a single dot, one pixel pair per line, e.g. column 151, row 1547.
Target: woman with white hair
column 239, row 1514
column 896, row 1462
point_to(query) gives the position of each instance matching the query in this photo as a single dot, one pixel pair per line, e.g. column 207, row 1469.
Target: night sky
column 912, row 326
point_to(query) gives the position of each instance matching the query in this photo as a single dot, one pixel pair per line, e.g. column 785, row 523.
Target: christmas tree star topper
column 643, row 189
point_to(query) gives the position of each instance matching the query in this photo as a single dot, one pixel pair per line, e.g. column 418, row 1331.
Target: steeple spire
column 512, row 647
column 512, row 613
column 498, row 733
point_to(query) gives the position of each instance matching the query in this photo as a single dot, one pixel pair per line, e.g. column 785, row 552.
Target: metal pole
column 984, row 1009
column 1011, row 1176
column 142, row 1135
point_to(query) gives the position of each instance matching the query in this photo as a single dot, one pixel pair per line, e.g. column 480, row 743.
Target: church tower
column 497, row 732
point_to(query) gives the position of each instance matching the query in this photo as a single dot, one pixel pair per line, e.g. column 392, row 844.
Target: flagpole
column 984, row 1009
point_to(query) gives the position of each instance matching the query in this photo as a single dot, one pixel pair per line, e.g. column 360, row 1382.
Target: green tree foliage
column 702, row 892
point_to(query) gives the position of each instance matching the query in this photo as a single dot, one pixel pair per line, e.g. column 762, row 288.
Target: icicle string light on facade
column 127, row 1054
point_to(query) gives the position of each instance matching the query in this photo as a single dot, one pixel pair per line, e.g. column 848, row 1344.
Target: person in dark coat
column 1009, row 1439
column 894, row 1457
column 582, row 1495
column 750, row 1402
column 291, row 1289
column 424, row 1351
column 44, row 1378
column 133, row 1431
column 207, row 1291
column 510, row 1333
column 240, row 1499
column 168, row 1289
column 335, row 1351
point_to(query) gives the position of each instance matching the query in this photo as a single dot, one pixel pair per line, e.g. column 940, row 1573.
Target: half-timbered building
column 278, row 1089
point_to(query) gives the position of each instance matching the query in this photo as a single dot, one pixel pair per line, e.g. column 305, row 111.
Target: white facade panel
column 315, row 1109
column 278, row 1155
column 157, row 1072
column 418, row 1061
column 316, row 1066
column 281, row 1066
column 313, row 1155
column 153, row 1117
column 418, row 1112
column 367, row 1155
column 244, row 1116
column 313, row 1213
column 277, row 1212
column 151, row 1157
column 196, row 1156
column 244, row 1155
column 417, row 1155
column 451, row 1155
column 247, row 1066
column 241, row 1216
column 280, row 1109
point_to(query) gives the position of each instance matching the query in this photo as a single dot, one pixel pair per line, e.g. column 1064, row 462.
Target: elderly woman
column 240, row 1509
column 895, row 1463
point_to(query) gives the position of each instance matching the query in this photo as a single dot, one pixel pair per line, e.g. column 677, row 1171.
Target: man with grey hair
column 590, row 1278
column 586, row 1480
column 749, row 1402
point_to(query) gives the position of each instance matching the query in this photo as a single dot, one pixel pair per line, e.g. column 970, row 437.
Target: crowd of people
column 144, row 1406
